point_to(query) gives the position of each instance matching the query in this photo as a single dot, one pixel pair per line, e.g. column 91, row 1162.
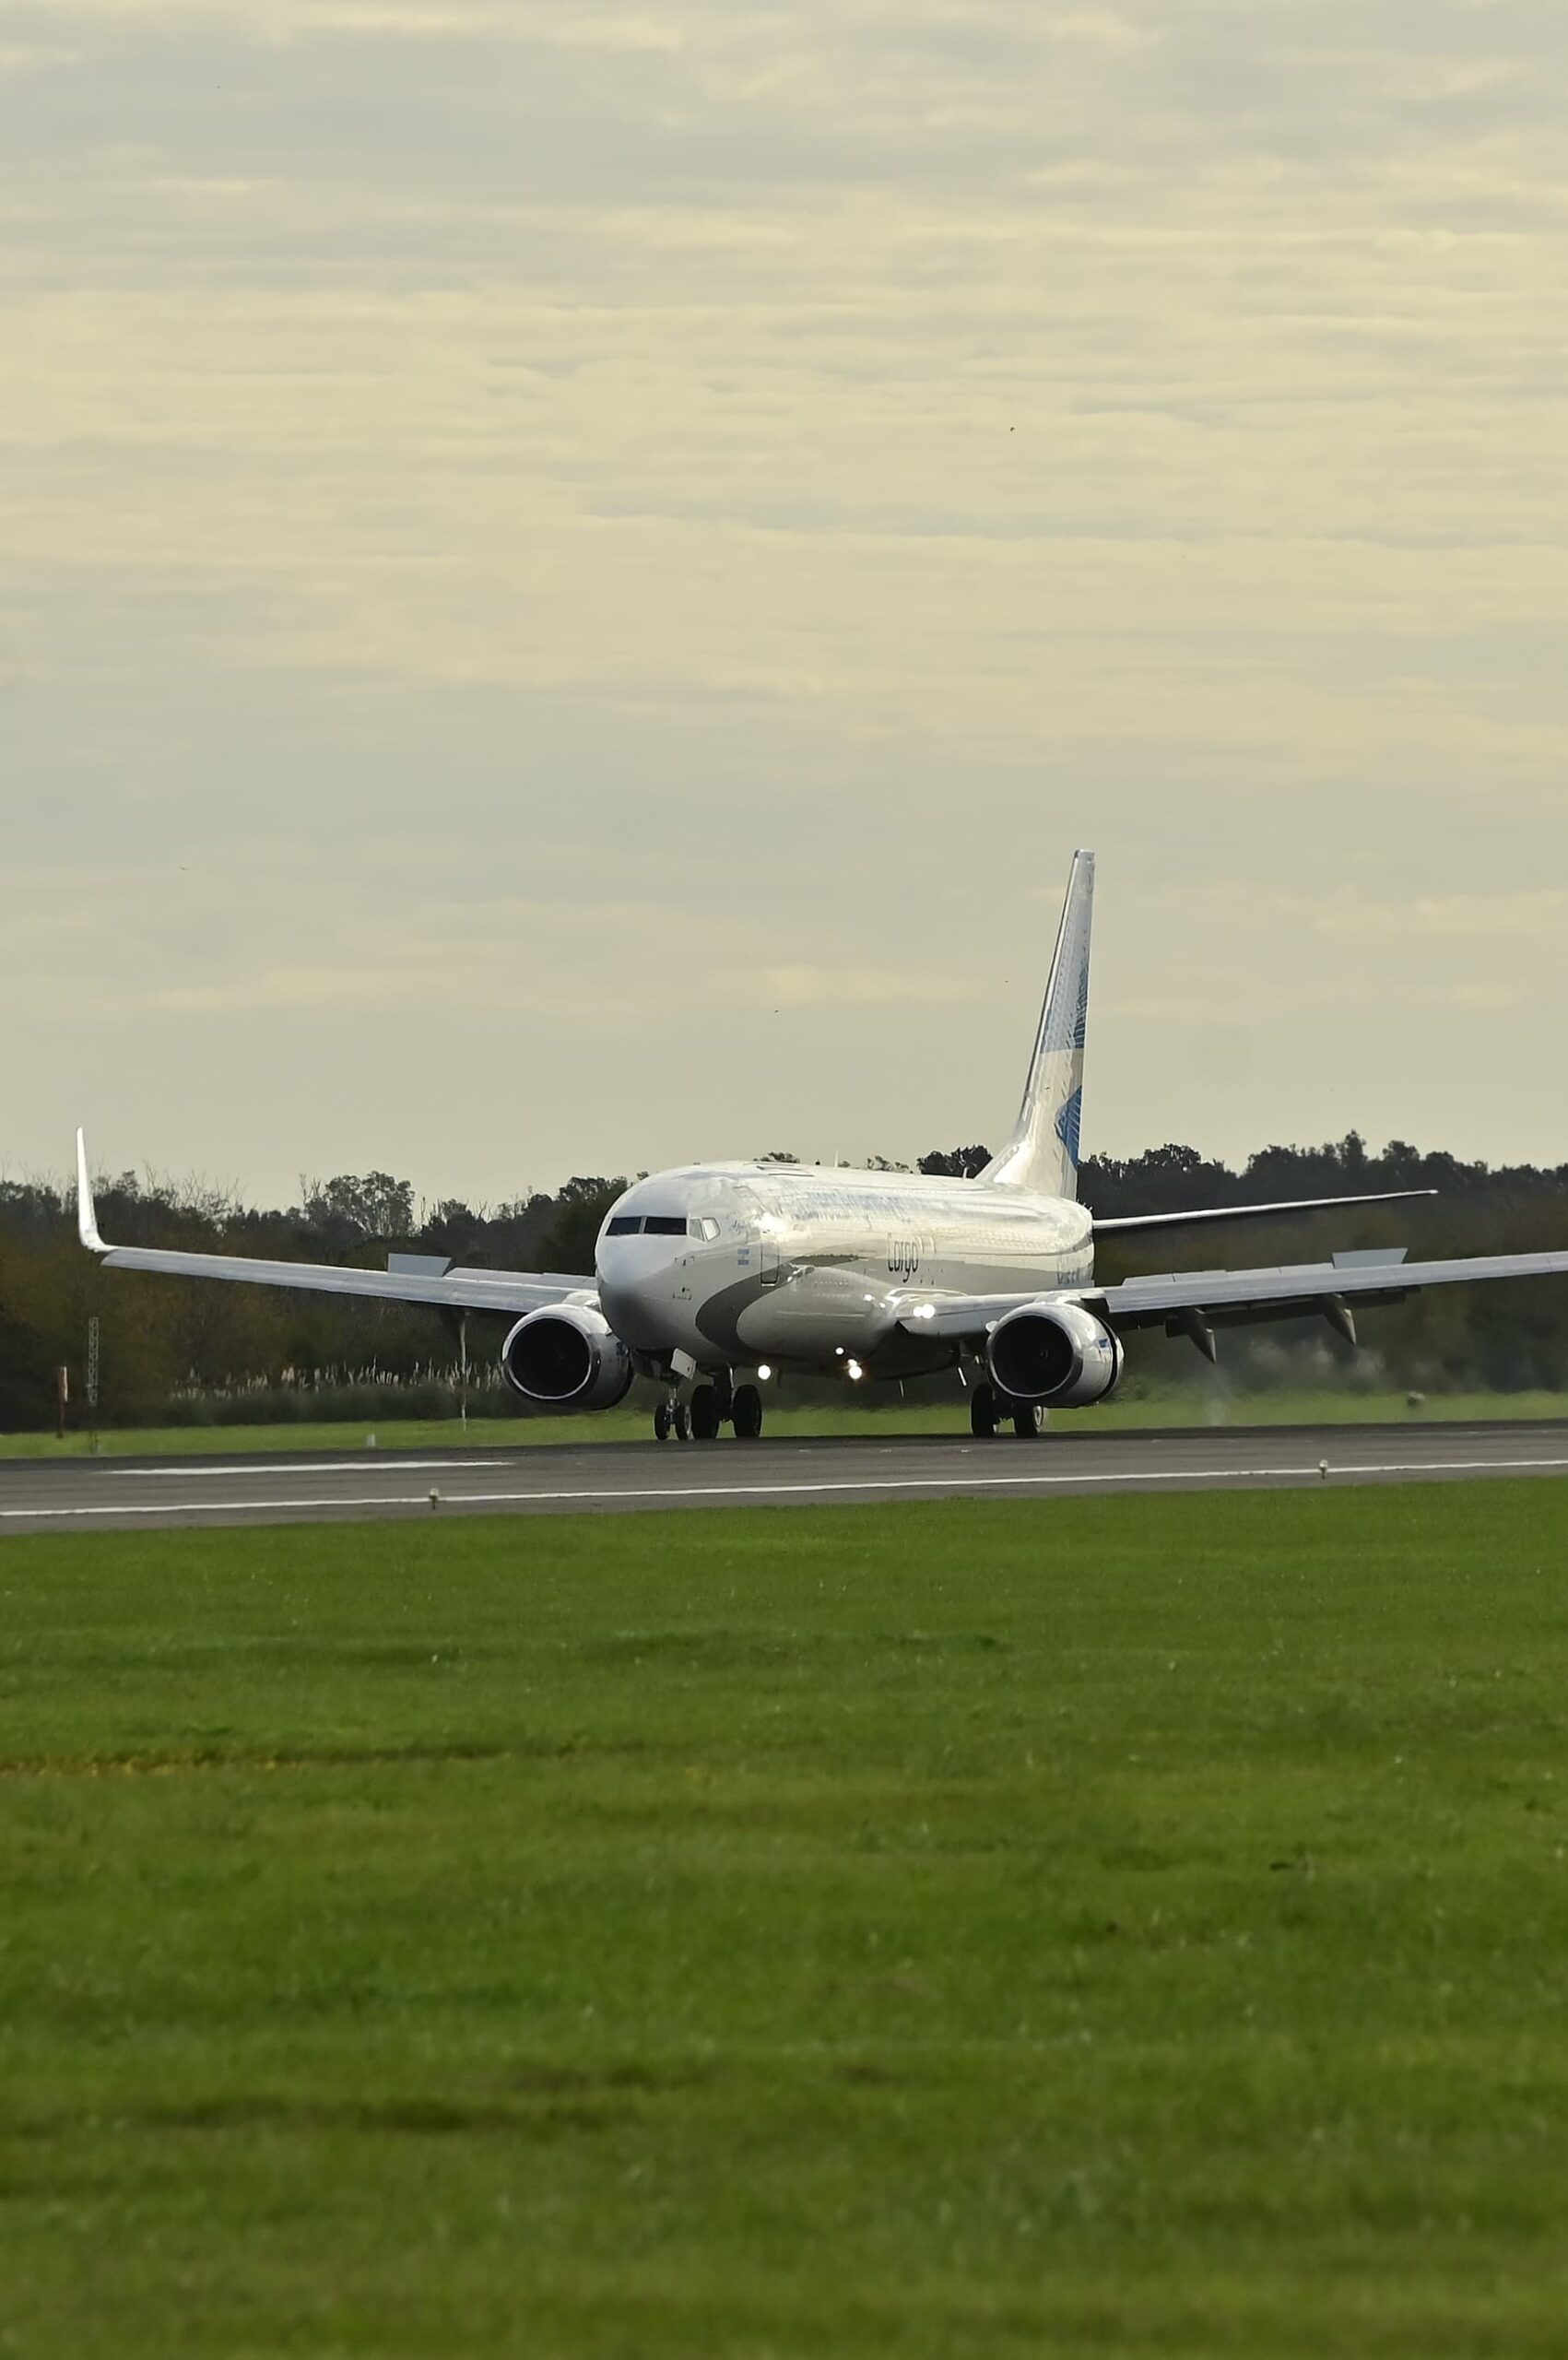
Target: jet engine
column 568, row 1357
column 1055, row 1354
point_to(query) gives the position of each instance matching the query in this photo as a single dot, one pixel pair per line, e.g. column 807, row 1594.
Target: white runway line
column 205, row 1471
column 966, row 1486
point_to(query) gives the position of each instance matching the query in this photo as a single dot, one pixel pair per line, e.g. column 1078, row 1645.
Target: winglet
column 87, row 1217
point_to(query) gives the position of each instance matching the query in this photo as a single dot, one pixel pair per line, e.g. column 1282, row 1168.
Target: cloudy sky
column 570, row 576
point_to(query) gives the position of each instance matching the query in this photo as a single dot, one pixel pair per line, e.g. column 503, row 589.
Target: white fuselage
column 735, row 1264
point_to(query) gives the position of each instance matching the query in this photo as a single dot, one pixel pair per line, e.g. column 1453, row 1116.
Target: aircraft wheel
column 680, row 1423
column 984, row 1416
column 664, row 1422
column 705, row 1413
column 746, row 1411
column 1029, row 1421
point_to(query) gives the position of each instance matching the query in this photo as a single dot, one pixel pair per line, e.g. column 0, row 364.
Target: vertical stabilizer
column 1043, row 1151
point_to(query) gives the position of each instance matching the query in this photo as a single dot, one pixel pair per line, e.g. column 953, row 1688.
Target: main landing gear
column 987, row 1410
column 713, row 1407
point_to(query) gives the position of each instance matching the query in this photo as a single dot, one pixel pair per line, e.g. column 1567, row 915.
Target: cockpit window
column 662, row 1225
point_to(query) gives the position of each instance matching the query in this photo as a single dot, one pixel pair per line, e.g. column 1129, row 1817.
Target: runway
column 108, row 1495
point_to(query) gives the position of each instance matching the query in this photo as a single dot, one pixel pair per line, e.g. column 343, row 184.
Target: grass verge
column 1115, row 1928
column 1176, row 1406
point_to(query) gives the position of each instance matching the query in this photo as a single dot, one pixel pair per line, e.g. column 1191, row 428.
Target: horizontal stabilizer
column 1121, row 1226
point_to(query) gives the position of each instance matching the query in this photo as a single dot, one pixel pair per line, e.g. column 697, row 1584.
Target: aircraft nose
column 621, row 1273
column 611, row 1262
column 637, row 1280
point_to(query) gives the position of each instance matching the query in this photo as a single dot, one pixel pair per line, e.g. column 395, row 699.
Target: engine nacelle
column 569, row 1357
column 1054, row 1354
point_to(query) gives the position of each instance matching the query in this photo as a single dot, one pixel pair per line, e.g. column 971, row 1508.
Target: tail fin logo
column 1069, row 1126
column 1043, row 1151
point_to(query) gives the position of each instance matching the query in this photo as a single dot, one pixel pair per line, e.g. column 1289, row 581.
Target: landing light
column 855, row 1371
column 763, row 1374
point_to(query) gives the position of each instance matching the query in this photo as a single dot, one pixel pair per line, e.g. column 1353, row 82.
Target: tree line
column 161, row 1338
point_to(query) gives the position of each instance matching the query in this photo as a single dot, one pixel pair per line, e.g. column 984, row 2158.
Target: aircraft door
column 768, row 1261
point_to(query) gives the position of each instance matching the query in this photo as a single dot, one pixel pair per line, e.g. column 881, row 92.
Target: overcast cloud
column 571, row 578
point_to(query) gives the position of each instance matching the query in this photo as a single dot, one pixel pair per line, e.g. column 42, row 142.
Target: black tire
column 680, row 1421
column 746, row 1411
column 984, row 1416
column 705, row 1413
column 1029, row 1421
column 664, row 1422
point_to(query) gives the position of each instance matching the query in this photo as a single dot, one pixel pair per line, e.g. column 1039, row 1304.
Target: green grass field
column 1194, row 1405
column 1113, row 1928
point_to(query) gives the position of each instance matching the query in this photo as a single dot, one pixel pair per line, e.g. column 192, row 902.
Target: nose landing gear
column 672, row 1417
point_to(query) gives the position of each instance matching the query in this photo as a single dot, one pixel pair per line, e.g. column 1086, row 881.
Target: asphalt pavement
column 544, row 1479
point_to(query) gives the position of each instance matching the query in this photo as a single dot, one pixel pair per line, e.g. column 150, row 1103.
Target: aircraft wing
column 420, row 1279
column 1188, row 1301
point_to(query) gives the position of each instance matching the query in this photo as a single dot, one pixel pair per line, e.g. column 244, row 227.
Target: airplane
column 714, row 1278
